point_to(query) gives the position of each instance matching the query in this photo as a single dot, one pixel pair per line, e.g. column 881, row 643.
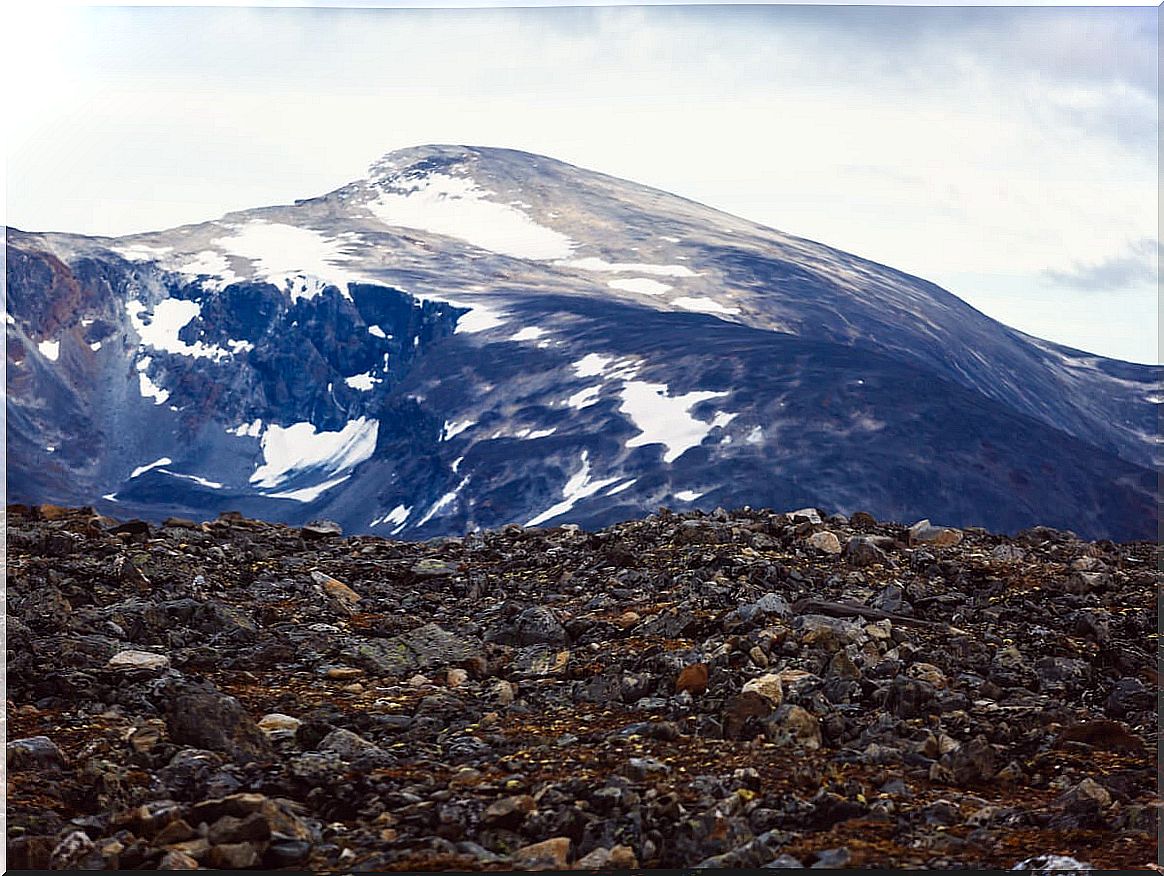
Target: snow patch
column 397, row 515
column 626, row 485
column 584, row 398
column 301, row 261
column 210, row 263
column 288, row 449
column 531, row 434
column 453, row 428
column 95, row 346
column 641, row 285
column 704, row 305
column 250, row 430
column 214, row 485
column 147, row 387
column 362, row 382
column 664, row 419
column 687, row 495
column 443, row 502
column 310, row 494
column 592, row 365
column 457, row 207
column 140, row 252
column 531, row 333
column 51, row 350
column 595, row 264
column 169, row 317
column 157, row 463
column 577, row 488
column 479, row 319
column 756, row 436
column 376, row 330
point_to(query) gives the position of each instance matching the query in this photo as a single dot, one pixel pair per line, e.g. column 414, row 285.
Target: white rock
column 809, row 513
column 276, row 721
column 127, row 660
column 768, row 686
column 825, row 541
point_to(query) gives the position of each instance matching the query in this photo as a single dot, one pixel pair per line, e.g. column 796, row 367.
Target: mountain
column 470, row 337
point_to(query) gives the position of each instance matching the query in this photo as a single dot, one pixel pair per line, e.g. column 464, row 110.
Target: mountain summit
column 470, row 337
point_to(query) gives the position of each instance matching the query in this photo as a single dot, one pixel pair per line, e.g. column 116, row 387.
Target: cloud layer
column 1137, row 265
column 1004, row 153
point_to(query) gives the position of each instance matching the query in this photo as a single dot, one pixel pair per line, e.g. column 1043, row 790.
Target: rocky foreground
column 729, row 690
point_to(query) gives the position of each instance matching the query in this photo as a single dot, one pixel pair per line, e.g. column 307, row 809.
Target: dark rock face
column 806, row 376
column 201, row 716
column 239, row 694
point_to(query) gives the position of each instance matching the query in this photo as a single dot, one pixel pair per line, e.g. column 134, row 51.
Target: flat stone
column 862, row 551
column 929, row 673
column 425, row 647
column 640, row 768
column 793, row 726
column 231, row 829
column 551, row 854
column 923, row 532
column 347, row 745
column 1088, row 794
column 809, row 514
column 343, row 673
column 276, row 721
column 174, row 860
column 336, row 589
column 768, row 686
column 200, row 715
column 35, row 752
column 538, row 625
column 824, row 541
column 509, row 812
column 433, row 568
column 146, row 661
column 316, row 529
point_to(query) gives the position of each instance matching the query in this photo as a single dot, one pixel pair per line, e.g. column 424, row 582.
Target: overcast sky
column 1006, row 154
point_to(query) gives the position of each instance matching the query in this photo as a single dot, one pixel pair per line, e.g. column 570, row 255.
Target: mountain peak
column 454, row 159
column 400, row 161
column 474, row 336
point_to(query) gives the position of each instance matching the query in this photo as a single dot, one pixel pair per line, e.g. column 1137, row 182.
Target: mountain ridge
column 419, row 281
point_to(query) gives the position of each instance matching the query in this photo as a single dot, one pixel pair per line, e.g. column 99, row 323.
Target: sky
column 1007, row 154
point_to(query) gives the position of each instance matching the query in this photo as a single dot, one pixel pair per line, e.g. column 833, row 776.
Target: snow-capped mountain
column 471, row 337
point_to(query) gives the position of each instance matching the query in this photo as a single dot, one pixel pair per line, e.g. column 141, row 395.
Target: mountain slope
column 470, row 337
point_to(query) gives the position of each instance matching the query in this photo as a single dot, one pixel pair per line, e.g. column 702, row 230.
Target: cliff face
column 739, row 689
column 473, row 337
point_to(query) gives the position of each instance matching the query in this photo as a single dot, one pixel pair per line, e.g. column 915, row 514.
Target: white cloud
column 992, row 142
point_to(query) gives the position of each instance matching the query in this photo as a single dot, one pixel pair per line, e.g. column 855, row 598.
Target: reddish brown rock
column 692, row 679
